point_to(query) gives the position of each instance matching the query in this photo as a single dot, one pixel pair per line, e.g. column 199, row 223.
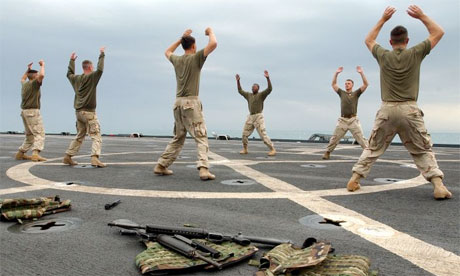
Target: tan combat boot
column 326, row 155
column 353, row 183
column 205, row 174
column 68, row 160
column 245, row 150
column 272, row 151
column 21, row 156
column 36, row 157
column 160, row 170
column 440, row 191
column 95, row 162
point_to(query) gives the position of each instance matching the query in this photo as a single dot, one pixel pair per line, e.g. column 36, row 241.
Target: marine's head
column 188, row 43
column 32, row 74
column 349, row 85
column 87, row 66
column 255, row 88
column 399, row 37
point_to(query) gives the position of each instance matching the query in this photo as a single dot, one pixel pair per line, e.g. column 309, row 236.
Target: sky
column 301, row 44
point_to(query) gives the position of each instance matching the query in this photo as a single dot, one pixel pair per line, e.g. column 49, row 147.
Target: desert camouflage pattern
column 33, row 129
column 87, row 123
column 406, row 120
column 256, row 121
column 188, row 118
column 157, row 259
column 23, row 208
column 286, row 260
column 286, row 257
column 347, row 124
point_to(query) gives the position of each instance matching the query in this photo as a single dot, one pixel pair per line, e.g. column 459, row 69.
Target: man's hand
column 339, row 70
column 102, row 49
column 208, row 31
column 359, row 69
column 266, row 74
column 389, row 11
column 187, row 32
column 41, row 62
column 237, row 77
column 73, row 56
column 29, row 66
column 415, row 11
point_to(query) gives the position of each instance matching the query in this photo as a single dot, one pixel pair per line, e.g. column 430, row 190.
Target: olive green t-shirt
column 85, row 85
column 30, row 94
column 256, row 101
column 188, row 69
column 349, row 102
column 400, row 71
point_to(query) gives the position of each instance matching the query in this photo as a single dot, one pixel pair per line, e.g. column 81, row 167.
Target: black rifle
column 198, row 233
column 176, row 244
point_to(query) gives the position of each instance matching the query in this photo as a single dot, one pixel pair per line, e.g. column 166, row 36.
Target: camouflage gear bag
column 158, row 260
column 287, row 260
column 286, row 257
column 23, row 208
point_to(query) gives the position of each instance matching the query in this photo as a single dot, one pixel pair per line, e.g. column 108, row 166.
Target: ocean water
column 437, row 138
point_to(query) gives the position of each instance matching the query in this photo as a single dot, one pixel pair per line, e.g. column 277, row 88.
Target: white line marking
column 429, row 257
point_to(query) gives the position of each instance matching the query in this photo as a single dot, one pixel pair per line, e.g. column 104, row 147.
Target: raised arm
column 212, row 44
column 41, row 73
column 374, row 32
column 176, row 44
column 240, row 90
column 365, row 83
column 71, row 67
column 100, row 62
column 24, row 77
column 269, row 83
column 334, row 79
column 434, row 29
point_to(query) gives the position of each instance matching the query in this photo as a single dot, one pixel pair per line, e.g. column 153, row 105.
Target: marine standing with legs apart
column 348, row 120
column 256, row 118
column 188, row 110
column 31, row 117
column 84, row 86
column 399, row 113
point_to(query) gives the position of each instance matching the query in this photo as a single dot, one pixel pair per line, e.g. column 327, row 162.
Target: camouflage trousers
column 33, row 129
column 87, row 122
column 406, row 120
column 256, row 121
column 343, row 125
column 188, row 117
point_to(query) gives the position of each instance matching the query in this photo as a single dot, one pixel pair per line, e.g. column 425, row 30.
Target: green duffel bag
column 157, row 260
column 30, row 208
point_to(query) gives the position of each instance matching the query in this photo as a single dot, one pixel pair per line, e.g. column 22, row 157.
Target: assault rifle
column 197, row 233
column 179, row 245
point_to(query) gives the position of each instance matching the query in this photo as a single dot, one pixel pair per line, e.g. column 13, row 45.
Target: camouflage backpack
column 23, row 208
column 314, row 260
column 158, row 260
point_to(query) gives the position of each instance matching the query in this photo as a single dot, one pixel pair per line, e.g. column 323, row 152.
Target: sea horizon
column 451, row 138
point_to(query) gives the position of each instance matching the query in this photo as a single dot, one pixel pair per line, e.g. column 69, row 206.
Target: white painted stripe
column 21, row 189
column 429, row 257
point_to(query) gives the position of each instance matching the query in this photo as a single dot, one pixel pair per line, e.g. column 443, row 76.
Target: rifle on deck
column 197, row 233
column 179, row 245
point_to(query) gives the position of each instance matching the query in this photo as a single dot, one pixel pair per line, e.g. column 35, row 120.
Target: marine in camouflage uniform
column 31, row 117
column 348, row 120
column 188, row 110
column 256, row 118
column 399, row 113
column 84, row 86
